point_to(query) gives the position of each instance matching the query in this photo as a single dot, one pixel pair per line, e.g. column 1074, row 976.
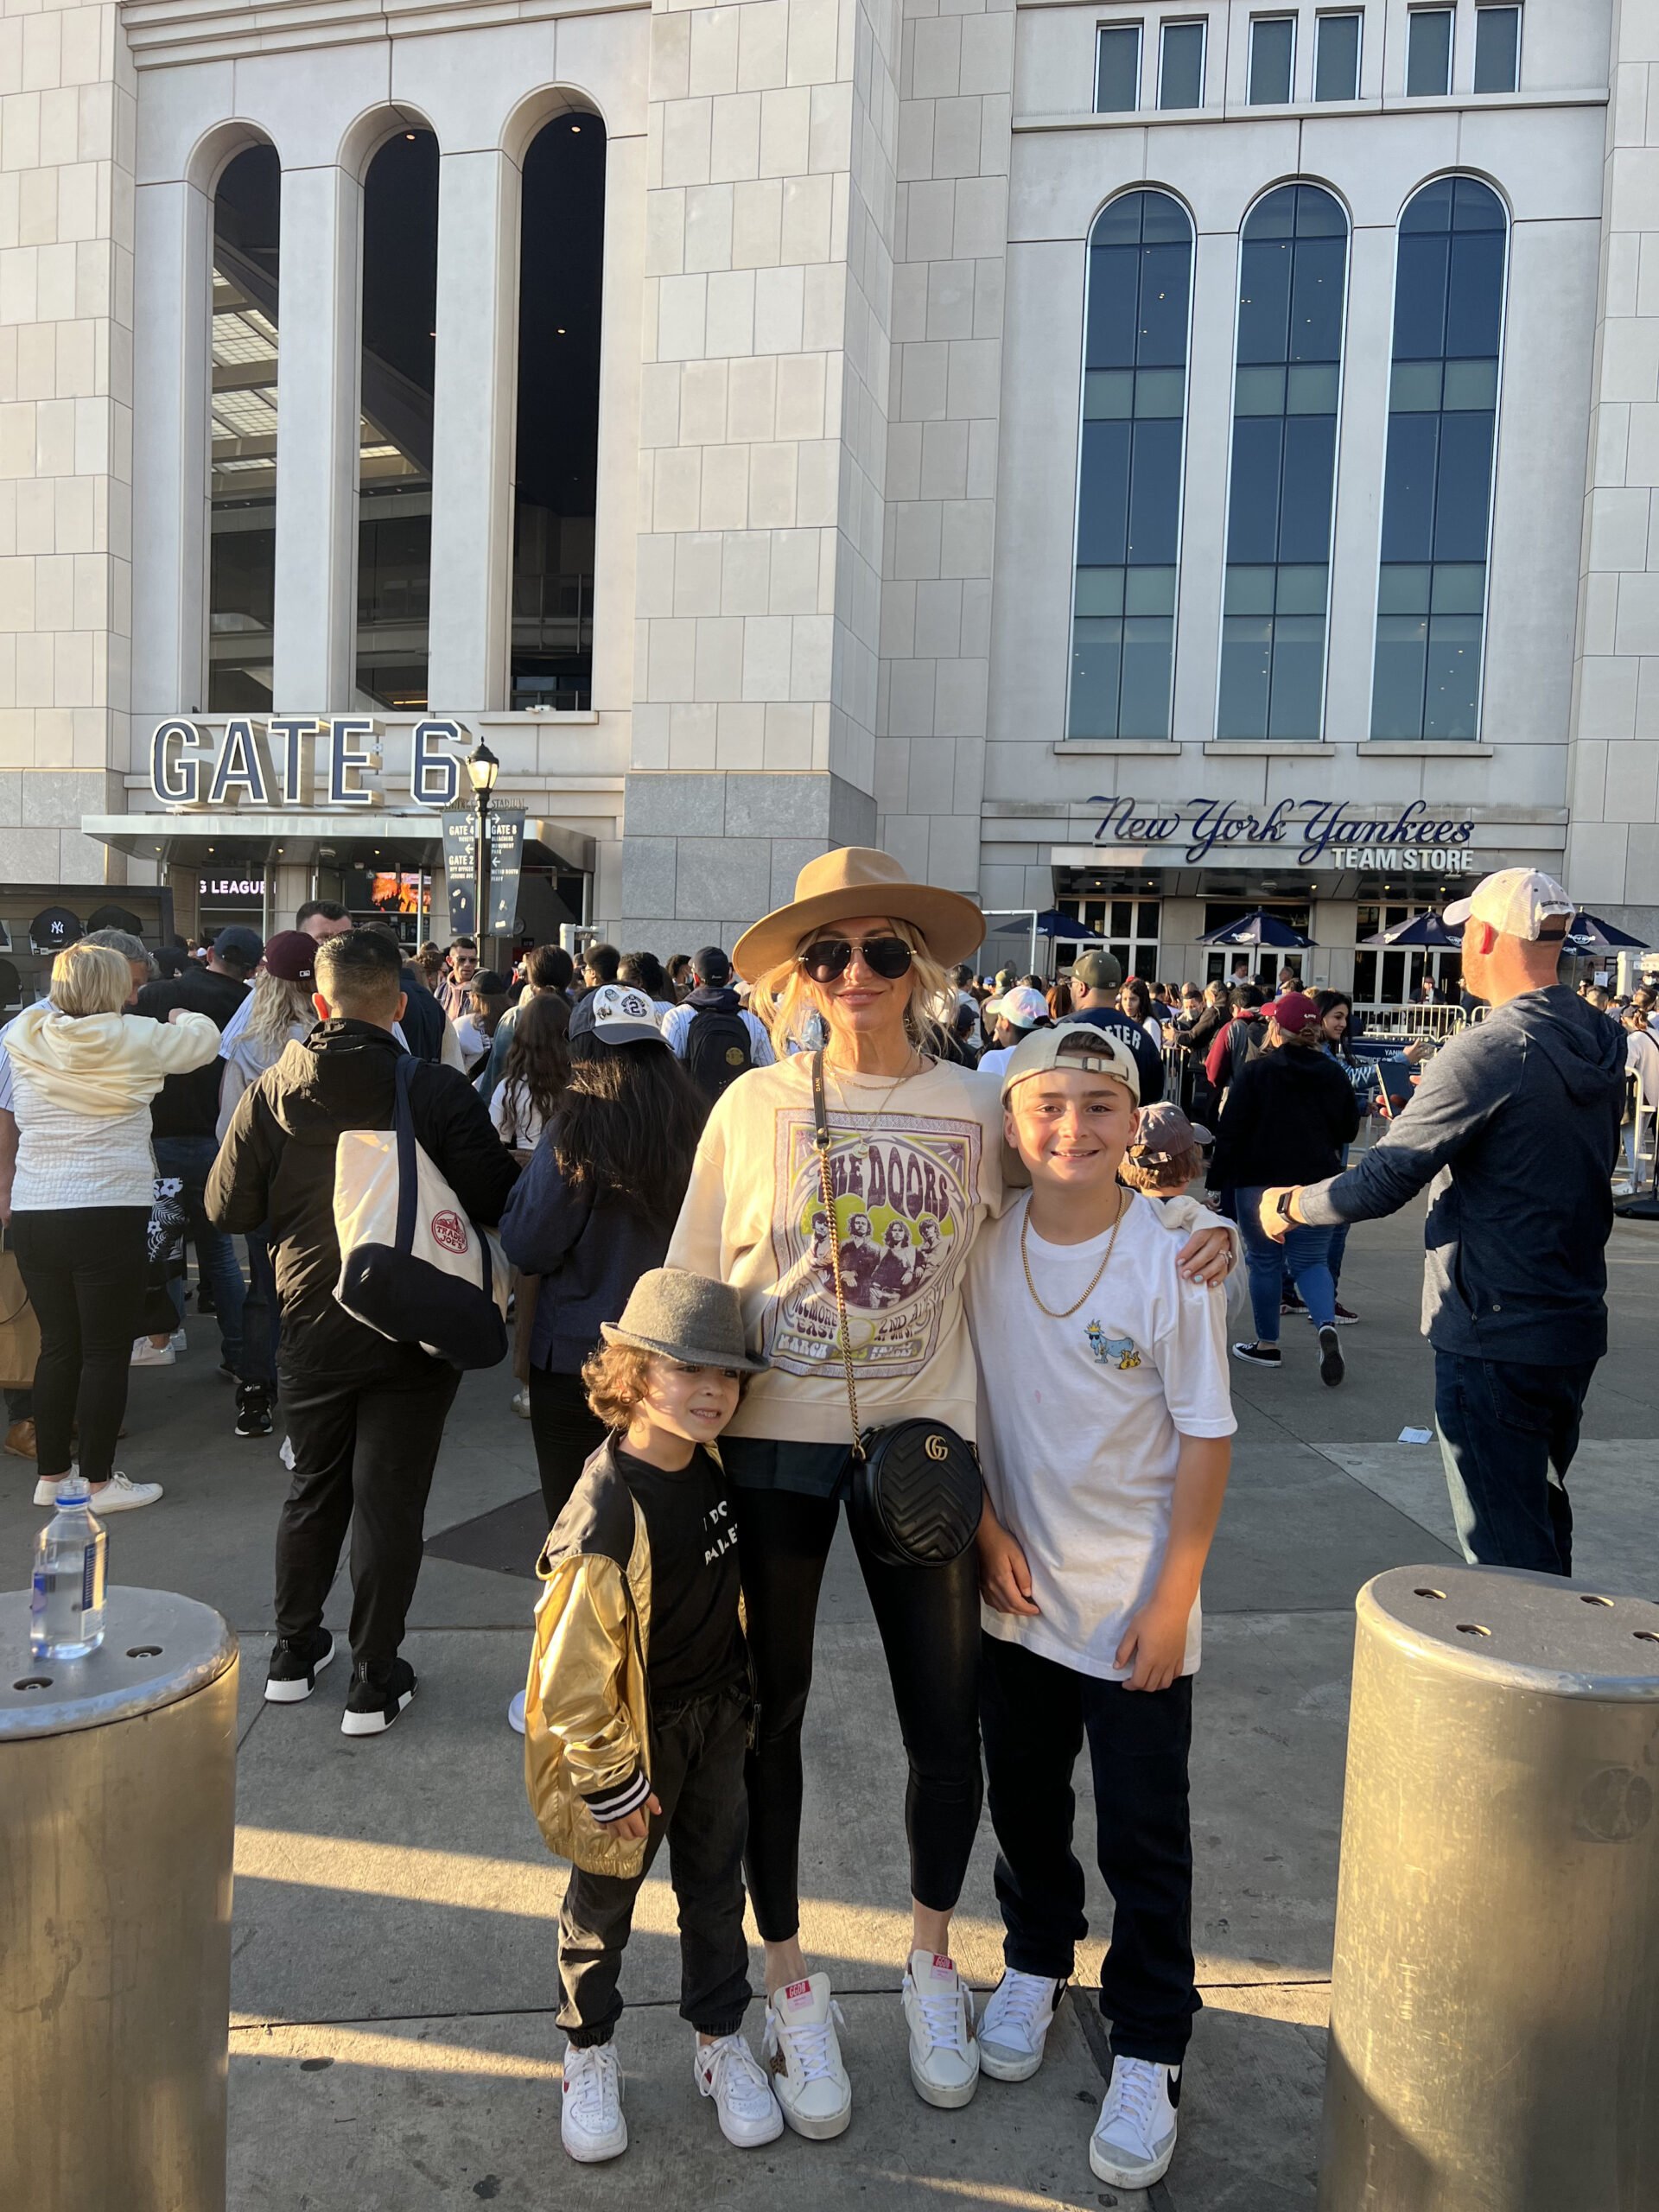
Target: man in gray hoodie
column 1515, row 1127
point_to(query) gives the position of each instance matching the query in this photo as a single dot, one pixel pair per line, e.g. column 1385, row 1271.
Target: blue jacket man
column 1514, row 1128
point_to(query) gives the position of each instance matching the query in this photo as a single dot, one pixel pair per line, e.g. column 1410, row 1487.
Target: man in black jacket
column 365, row 1416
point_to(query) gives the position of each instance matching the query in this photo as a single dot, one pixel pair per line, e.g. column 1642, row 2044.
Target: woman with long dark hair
column 536, row 1071
column 1336, row 1021
column 594, row 1209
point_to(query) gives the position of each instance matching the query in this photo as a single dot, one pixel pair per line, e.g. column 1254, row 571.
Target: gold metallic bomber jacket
column 586, row 1716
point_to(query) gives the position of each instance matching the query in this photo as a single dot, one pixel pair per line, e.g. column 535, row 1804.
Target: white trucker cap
column 1515, row 901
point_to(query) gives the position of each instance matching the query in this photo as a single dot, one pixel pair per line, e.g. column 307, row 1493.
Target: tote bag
column 413, row 1265
column 20, row 1332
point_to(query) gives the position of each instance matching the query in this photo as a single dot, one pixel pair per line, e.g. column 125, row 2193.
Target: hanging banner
column 459, row 868
column 506, row 856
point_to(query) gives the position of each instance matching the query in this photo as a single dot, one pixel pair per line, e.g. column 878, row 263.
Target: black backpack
column 718, row 1049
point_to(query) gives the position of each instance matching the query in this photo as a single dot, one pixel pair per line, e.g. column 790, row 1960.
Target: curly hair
column 785, row 995
column 614, row 1379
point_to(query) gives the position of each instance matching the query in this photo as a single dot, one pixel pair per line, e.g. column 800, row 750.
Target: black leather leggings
column 928, row 1618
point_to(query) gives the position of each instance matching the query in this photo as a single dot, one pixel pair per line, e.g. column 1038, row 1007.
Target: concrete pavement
column 394, row 1985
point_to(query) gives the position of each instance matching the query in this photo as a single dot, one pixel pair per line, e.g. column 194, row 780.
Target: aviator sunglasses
column 830, row 956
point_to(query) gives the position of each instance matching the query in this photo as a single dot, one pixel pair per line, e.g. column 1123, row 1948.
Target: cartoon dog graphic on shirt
column 1112, row 1351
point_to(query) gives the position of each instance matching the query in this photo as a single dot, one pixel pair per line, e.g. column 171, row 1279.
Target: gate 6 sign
column 296, row 760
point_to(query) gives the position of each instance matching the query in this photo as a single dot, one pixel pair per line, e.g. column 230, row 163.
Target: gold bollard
column 117, row 1783
column 1495, row 1999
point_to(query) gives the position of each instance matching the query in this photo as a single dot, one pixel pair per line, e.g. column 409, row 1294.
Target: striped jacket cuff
column 617, row 1799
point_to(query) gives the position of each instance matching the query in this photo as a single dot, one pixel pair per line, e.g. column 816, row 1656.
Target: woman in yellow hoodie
column 83, row 1075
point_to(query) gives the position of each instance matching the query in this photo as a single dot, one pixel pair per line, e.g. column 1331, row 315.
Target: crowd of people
column 791, row 1226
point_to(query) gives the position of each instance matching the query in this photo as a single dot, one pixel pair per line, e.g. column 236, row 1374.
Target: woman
column 913, row 1139
column 1060, row 1001
column 1336, row 1019
column 1641, row 1057
column 83, row 1077
column 1289, row 1113
column 536, row 1068
column 1136, row 1000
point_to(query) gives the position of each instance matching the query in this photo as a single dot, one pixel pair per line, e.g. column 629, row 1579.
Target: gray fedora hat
column 685, row 1317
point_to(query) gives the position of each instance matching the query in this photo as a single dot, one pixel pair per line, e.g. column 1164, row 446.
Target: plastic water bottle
column 66, row 1604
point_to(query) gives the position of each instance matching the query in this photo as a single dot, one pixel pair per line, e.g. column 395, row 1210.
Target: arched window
column 1292, row 262
column 242, row 475
column 1437, row 498
column 394, row 490
column 1129, row 477
column 556, row 457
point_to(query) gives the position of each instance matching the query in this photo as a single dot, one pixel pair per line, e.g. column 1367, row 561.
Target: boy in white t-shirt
column 1104, row 1435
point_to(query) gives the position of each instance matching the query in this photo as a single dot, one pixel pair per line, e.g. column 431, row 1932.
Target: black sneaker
column 295, row 1662
column 1257, row 1355
column 1291, row 1301
column 1332, row 1370
column 380, row 1690
column 252, row 1409
column 1346, row 1315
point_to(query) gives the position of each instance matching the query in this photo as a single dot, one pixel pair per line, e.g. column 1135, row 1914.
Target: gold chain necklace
column 876, row 1112
column 1025, row 1260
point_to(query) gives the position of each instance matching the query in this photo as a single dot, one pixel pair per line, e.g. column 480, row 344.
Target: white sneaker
column 1134, row 2137
column 939, row 2013
column 119, row 1496
column 516, row 1712
column 176, row 1341
column 46, row 1490
column 1014, row 2025
column 591, row 2125
column 729, row 2072
column 145, row 1354
column 804, row 2054
column 521, row 1402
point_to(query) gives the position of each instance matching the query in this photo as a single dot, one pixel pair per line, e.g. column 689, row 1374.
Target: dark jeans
column 1036, row 1715
column 364, row 1451
column 1508, row 1433
column 262, row 1315
column 191, row 1159
column 565, row 1434
column 928, row 1618
column 697, row 1770
column 83, row 1267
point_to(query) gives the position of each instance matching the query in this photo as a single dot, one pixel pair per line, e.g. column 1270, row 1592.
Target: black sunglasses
column 830, row 956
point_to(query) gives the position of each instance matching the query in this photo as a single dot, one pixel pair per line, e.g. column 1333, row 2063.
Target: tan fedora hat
column 861, row 880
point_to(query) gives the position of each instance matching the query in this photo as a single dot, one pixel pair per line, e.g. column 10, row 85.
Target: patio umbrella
column 1589, row 933
column 1427, row 930
column 1259, row 928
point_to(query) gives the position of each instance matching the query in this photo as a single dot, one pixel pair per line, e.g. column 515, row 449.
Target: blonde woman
column 83, row 1077
column 913, row 1139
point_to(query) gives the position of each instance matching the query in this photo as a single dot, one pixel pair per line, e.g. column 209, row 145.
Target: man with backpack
column 717, row 1039
column 1244, row 1039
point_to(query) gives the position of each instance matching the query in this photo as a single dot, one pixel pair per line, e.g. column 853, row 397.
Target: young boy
column 1104, row 1440
column 637, row 1708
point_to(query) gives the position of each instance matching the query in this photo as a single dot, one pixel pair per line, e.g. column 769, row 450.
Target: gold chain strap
column 821, row 1140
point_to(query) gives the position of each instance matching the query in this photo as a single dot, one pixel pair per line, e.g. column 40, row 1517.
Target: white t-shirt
column 1081, row 1421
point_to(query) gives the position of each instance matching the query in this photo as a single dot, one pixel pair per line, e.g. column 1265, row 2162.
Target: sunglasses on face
column 830, row 956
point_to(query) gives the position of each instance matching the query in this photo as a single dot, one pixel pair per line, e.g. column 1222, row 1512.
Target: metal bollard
column 118, row 1776
column 1495, row 2000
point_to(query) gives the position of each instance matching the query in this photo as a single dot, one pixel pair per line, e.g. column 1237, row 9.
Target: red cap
column 292, row 955
column 1294, row 1012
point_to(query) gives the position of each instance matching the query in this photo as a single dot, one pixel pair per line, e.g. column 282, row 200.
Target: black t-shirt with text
column 696, row 1641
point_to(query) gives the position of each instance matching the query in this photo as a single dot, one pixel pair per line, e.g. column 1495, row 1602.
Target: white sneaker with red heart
column 939, row 2013
column 802, row 2055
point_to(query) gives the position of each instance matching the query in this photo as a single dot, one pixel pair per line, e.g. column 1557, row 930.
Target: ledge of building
column 1423, row 748
column 1268, row 748
column 1157, row 745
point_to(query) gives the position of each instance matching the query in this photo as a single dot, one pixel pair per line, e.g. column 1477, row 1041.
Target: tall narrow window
column 1117, row 70
column 1448, row 318
column 556, row 459
column 242, row 494
column 1129, row 482
column 1292, row 260
column 1180, row 72
column 1272, row 57
column 394, row 489
column 1497, row 49
column 1336, row 58
column 1428, row 51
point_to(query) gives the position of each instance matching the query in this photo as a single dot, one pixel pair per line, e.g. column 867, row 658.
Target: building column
column 317, row 385
column 473, row 431
column 171, row 373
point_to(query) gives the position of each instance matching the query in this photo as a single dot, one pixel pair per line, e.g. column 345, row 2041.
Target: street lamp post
column 483, row 767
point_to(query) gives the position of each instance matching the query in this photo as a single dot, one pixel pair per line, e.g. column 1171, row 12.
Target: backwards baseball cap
column 1022, row 1007
column 292, row 956
column 1294, row 1011
column 712, row 965
column 1165, row 1134
column 1516, row 902
column 1074, row 1045
column 617, row 1014
column 1097, row 971
column 244, row 945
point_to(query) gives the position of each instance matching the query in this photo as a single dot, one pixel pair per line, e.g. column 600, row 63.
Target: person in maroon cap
column 1290, row 1103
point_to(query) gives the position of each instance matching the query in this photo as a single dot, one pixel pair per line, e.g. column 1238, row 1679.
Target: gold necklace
column 876, row 1112
column 1025, row 1260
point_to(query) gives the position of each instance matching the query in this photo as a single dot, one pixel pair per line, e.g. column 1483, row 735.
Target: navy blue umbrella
column 1589, row 933
column 1259, row 928
column 1427, row 930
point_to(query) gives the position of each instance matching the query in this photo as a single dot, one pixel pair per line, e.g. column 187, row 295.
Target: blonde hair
column 785, row 994
column 90, row 979
column 614, row 1379
column 276, row 1005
